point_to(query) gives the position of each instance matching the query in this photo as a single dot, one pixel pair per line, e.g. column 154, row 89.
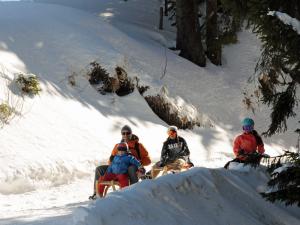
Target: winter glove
column 141, row 172
column 190, row 164
column 161, row 164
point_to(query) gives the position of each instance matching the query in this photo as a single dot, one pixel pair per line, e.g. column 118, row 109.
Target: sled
column 115, row 185
column 169, row 169
column 254, row 160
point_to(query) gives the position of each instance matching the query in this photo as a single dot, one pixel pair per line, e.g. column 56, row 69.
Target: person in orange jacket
column 248, row 142
column 136, row 149
column 247, row 145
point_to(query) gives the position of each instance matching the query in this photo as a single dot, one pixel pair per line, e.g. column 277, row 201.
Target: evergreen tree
column 285, row 180
column 214, row 48
column 188, row 32
column 279, row 65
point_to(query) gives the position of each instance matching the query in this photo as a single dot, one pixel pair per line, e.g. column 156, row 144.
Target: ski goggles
column 172, row 132
column 248, row 128
column 126, row 133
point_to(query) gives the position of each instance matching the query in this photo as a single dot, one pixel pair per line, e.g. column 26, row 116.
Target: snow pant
column 121, row 178
column 101, row 170
column 178, row 165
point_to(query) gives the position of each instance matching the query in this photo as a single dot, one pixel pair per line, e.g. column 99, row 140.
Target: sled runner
column 168, row 169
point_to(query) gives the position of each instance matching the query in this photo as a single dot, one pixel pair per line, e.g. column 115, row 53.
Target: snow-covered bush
column 141, row 88
column 119, row 83
column 5, row 112
column 176, row 111
column 28, row 83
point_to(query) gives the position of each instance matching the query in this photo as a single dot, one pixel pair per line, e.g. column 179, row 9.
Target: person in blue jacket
column 118, row 169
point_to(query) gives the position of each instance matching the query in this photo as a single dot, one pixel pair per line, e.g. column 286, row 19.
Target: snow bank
column 199, row 196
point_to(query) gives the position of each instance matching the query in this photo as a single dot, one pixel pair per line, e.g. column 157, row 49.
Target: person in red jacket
column 247, row 143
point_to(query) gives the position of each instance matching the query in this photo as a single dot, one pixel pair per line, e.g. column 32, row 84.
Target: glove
column 141, row 170
column 161, row 164
column 190, row 164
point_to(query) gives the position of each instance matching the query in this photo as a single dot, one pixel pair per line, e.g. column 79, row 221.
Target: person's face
column 172, row 134
column 126, row 135
column 121, row 152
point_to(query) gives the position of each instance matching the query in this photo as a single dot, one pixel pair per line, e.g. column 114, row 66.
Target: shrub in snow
column 98, row 74
column 119, row 83
column 285, row 179
column 141, row 88
column 175, row 113
column 5, row 112
column 126, row 84
column 72, row 80
column 28, row 83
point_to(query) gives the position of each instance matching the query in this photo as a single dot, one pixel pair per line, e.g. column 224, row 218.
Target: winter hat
column 126, row 128
column 248, row 121
column 248, row 124
column 173, row 128
column 122, row 147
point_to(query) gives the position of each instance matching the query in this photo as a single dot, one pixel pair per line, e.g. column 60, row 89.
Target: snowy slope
column 50, row 148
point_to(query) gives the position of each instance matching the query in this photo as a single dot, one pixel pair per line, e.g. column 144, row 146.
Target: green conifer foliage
column 279, row 65
column 285, row 183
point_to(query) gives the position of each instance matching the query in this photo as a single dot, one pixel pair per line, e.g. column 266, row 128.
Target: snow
column 198, row 196
column 50, row 147
column 286, row 19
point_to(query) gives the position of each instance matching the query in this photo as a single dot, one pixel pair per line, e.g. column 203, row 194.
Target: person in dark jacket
column 136, row 149
column 118, row 169
column 175, row 153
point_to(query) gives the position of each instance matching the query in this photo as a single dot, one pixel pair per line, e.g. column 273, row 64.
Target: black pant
column 101, row 170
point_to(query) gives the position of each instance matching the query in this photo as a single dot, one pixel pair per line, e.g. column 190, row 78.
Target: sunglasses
column 172, row 132
column 126, row 133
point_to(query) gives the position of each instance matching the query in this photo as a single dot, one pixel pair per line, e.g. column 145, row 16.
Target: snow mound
column 199, row 196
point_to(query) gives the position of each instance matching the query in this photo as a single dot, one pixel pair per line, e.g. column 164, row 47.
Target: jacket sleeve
column 236, row 146
column 113, row 153
column 134, row 161
column 145, row 159
column 164, row 153
column 185, row 149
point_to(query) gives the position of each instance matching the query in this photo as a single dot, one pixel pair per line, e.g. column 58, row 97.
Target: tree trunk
column 188, row 32
column 214, row 48
column 166, row 8
column 161, row 18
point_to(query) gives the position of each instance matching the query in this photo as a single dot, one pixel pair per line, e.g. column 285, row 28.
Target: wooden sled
column 115, row 185
column 166, row 169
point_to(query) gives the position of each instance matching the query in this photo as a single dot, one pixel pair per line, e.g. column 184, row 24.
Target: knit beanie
column 126, row 128
column 173, row 128
column 122, row 147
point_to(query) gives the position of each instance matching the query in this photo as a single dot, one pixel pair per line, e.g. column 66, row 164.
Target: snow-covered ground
column 50, row 148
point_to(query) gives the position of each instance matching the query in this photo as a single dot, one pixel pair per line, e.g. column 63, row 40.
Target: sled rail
column 107, row 184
